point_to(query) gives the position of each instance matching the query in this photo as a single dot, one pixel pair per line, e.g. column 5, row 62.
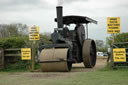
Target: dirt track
column 53, row 75
column 101, row 62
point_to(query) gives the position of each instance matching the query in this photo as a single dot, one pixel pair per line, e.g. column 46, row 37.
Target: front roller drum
column 89, row 53
column 55, row 59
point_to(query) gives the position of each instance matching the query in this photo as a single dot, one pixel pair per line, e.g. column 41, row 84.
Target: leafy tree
column 100, row 46
column 99, row 43
column 122, row 37
column 13, row 42
column 14, row 30
column 45, row 38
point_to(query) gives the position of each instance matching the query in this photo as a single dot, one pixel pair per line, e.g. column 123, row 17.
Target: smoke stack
column 59, row 10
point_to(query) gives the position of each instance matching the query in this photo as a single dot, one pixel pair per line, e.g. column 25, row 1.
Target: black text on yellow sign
column 26, row 53
column 34, row 33
column 113, row 25
column 119, row 55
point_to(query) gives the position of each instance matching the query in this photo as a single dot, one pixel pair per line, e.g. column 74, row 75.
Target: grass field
column 99, row 77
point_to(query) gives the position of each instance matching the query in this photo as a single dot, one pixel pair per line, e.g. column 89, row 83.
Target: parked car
column 100, row 54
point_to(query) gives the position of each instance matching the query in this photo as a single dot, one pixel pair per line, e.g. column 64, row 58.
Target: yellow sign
column 119, row 55
column 34, row 33
column 26, row 53
column 113, row 25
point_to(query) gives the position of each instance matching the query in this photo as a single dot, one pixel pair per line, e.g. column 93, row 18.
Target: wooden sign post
column 113, row 27
column 34, row 36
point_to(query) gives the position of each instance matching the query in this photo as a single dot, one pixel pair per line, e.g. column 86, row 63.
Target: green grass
column 15, row 68
column 99, row 77
column 109, row 77
column 19, row 68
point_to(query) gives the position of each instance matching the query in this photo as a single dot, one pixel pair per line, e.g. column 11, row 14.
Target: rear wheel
column 89, row 53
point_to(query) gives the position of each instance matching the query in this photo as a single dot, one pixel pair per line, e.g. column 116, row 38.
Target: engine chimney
column 59, row 10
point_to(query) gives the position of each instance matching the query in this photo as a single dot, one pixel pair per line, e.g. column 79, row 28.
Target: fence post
column 33, row 55
column 1, row 58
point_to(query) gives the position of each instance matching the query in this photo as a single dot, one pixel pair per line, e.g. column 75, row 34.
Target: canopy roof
column 73, row 19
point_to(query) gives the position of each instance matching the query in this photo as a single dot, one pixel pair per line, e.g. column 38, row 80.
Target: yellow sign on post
column 113, row 25
column 34, row 33
column 26, row 53
column 119, row 55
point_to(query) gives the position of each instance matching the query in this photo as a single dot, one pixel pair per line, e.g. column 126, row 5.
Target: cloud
column 73, row 1
column 23, row 5
column 43, row 12
column 18, row 2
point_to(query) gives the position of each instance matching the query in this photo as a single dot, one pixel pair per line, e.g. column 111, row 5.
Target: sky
column 43, row 12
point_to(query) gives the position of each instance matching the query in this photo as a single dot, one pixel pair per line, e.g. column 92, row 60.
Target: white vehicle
column 100, row 54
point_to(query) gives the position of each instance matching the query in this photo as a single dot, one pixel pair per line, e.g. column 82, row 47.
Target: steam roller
column 69, row 46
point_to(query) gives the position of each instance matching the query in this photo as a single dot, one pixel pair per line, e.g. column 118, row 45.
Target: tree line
column 16, row 36
column 120, row 37
column 12, row 30
column 21, row 30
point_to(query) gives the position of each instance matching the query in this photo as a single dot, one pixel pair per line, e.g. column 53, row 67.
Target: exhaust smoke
column 60, row 2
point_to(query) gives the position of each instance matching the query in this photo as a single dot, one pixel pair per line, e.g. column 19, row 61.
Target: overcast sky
column 43, row 12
